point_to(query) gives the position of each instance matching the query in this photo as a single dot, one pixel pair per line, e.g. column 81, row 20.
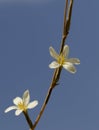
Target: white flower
column 62, row 60
column 22, row 104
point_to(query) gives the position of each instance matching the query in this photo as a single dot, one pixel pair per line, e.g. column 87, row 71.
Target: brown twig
column 28, row 120
column 67, row 21
column 53, row 84
column 57, row 72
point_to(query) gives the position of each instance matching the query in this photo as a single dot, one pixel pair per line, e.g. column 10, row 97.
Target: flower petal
column 65, row 51
column 54, row 65
column 17, row 100
column 26, row 97
column 18, row 112
column 74, row 61
column 32, row 104
column 53, row 53
column 10, row 108
column 70, row 67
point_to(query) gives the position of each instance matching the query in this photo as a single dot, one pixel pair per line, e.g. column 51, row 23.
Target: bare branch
column 57, row 72
column 67, row 22
column 69, row 16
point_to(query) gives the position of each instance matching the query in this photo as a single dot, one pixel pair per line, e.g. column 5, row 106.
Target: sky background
column 27, row 29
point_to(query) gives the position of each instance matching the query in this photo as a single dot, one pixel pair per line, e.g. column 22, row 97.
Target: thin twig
column 28, row 120
column 67, row 21
column 69, row 16
column 57, row 72
column 53, row 84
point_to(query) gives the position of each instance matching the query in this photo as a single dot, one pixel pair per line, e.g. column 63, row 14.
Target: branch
column 53, row 84
column 57, row 72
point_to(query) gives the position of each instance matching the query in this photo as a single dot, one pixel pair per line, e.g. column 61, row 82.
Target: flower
column 63, row 60
column 22, row 104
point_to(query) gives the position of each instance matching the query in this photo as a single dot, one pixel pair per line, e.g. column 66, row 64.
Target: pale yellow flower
column 22, row 104
column 63, row 60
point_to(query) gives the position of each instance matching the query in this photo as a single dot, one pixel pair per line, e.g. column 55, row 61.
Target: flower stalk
column 28, row 120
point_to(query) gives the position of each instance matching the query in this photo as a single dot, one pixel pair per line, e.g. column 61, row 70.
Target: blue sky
column 27, row 30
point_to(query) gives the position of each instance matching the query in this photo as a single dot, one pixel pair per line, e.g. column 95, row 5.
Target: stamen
column 61, row 59
column 21, row 106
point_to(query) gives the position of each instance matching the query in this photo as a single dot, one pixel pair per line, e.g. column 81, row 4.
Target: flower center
column 61, row 59
column 21, row 106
